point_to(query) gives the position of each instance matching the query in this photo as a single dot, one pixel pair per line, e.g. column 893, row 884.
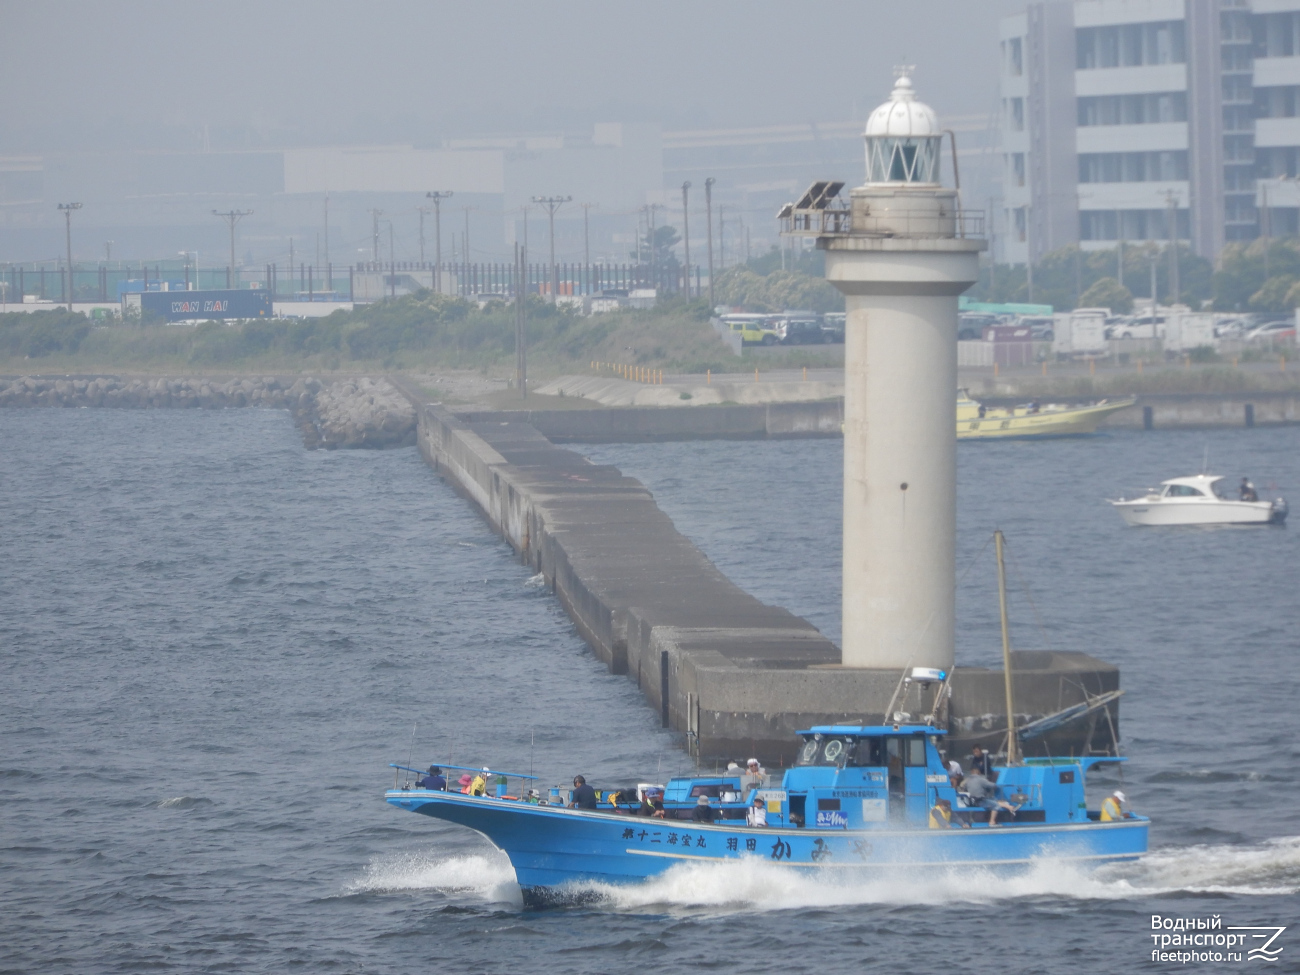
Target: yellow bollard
column 1234, row 362
column 1092, row 367
column 756, row 374
column 995, row 370
column 805, row 373
column 708, row 377
column 1139, row 365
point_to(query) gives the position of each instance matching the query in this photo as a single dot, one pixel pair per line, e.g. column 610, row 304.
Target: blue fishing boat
column 859, row 798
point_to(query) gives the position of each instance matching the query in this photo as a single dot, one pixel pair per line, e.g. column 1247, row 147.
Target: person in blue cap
column 434, row 780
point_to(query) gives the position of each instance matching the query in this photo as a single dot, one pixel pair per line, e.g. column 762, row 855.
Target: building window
column 1236, row 57
column 1131, row 224
column 1238, row 118
column 1021, row 224
column 1017, row 168
column 1132, row 167
column 1168, row 106
column 1130, row 45
column 1280, row 102
column 1237, row 88
column 1276, row 35
column 1239, row 209
column 1014, row 57
column 1239, row 148
column 1273, row 163
column 1016, row 114
column 1238, row 178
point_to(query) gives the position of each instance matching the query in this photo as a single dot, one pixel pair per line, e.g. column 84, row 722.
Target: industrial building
column 1136, row 120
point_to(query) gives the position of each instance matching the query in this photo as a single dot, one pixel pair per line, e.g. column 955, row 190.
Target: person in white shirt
column 755, row 776
column 757, row 813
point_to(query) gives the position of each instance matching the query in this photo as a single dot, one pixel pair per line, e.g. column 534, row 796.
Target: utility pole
column 521, row 322
column 232, row 217
column 465, row 239
column 722, row 236
column 330, row 285
column 392, row 264
column 108, row 252
column 437, row 198
column 291, row 260
column 67, row 209
column 422, row 211
column 553, row 203
column 586, row 233
column 708, row 211
column 374, row 233
column 686, row 237
column 652, row 245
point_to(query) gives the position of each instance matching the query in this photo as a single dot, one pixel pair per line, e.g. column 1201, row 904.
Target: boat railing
column 477, row 770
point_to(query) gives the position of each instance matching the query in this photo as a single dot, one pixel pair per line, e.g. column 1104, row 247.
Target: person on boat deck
column 941, row 815
column 954, row 773
column 464, row 782
column 584, row 796
column 478, row 785
column 756, row 815
column 1112, row 807
column 652, row 804
column 704, row 812
column 754, row 777
column 985, row 793
column 1248, row 490
column 981, row 761
column 983, row 410
column 433, row 780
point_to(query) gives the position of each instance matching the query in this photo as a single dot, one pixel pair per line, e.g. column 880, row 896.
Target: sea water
column 212, row 642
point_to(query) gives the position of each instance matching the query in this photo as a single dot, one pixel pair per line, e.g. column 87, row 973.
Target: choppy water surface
column 213, row 641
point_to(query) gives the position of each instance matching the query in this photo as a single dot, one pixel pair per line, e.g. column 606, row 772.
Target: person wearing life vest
column 1112, row 807
column 941, row 815
column 478, row 785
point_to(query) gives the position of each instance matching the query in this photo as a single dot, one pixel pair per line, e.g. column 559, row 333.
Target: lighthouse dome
column 903, row 139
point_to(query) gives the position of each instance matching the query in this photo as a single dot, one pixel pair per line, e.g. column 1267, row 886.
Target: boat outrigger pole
column 1013, row 743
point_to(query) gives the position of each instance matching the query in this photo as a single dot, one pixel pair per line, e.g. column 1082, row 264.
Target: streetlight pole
column 586, row 241
column 708, row 211
column 686, row 238
column 392, row 264
column 374, row 234
column 231, row 217
column 67, row 209
column 553, row 203
column 437, row 198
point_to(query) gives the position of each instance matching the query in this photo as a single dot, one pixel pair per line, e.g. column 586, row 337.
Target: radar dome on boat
column 903, row 139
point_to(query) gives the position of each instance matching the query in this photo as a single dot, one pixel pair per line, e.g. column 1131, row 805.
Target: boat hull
column 998, row 424
column 552, row 848
column 1197, row 512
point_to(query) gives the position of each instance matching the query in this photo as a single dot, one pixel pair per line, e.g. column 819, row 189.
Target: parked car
column 1139, row 327
column 1271, row 331
column 1043, row 329
column 800, row 331
column 833, row 327
column 971, row 325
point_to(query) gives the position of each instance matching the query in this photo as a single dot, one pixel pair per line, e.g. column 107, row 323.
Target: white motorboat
column 1195, row 501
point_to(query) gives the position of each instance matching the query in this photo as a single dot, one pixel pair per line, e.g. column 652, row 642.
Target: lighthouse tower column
column 901, row 265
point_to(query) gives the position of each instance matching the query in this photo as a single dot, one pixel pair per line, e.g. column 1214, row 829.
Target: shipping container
column 181, row 306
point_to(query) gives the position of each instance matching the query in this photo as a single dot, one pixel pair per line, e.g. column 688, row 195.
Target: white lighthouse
column 901, row 257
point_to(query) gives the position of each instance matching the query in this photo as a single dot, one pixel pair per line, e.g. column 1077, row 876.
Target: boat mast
column 1013, row 744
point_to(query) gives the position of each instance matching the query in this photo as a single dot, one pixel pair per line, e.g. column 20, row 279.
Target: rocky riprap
column 329, row 413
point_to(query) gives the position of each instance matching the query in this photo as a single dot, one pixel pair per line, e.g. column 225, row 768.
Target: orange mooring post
column 756, row 374
column 805, row 373
column 995, row 370
column 1044, row 367
column 708, row 377
column 1092, row 367
column 1139, row 365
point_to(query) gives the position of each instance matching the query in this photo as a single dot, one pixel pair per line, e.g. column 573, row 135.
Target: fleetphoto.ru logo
column 1200, row 939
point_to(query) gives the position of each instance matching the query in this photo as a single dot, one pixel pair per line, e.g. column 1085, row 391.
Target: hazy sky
column 152, row 74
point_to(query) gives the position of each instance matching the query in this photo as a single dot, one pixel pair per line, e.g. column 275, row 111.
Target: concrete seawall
column 735, row 676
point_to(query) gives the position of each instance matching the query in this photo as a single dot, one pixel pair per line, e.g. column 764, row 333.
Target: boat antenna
column 1013, row 745
column 532, row 735
column 1205, row 460
column 411, row 754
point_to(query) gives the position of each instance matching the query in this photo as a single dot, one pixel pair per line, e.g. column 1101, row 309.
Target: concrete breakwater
column 346, row 413
column 734, row 675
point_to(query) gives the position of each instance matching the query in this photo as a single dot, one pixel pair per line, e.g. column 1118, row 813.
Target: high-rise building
column 1131, row 120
